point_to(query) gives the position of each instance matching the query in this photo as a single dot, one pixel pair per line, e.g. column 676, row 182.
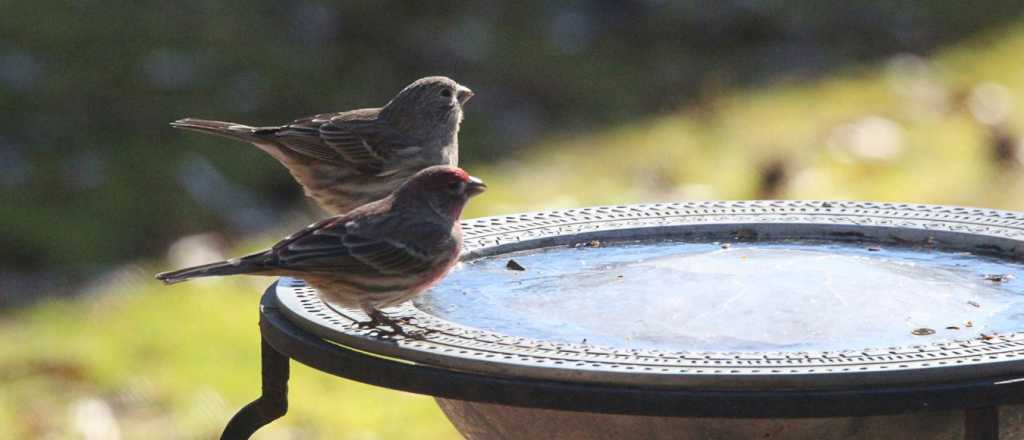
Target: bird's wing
column 331, row 245
column 303, row 137
column 356, row 137
column 369, row 144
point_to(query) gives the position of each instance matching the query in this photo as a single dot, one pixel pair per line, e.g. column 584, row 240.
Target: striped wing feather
column 357, row 137
column 329, row 246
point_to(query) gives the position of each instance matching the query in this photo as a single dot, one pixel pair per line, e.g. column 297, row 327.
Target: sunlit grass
column 176, row 362
column 714, row 149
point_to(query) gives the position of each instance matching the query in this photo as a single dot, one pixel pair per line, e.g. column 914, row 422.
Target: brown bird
column 379, row 254
column 347, row 159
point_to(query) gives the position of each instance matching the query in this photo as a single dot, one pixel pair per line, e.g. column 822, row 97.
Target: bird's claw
column 403, row 320
column 399, row 331
column 377, row 320
column 366, row 325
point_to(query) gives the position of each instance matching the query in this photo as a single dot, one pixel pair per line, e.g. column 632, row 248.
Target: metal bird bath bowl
column 698, row 320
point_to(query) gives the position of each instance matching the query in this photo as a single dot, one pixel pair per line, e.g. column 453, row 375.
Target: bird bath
column 714, row 320
column 780, row 296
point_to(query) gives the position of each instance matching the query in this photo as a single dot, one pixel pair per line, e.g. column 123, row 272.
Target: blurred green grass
column 177, row 362
column 715, row 148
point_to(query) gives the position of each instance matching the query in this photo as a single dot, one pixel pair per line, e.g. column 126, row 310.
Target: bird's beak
column 463, row 94
column 475, row 186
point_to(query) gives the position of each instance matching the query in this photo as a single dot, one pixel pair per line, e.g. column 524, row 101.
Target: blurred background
column 577, row 103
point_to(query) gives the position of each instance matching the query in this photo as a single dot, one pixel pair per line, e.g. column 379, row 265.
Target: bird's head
column 429, row 102
column 442, row 189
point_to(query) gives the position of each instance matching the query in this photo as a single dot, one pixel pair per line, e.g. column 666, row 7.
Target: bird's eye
column 455, row 186
column 446, row 93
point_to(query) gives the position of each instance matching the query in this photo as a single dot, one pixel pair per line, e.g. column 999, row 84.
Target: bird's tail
column 229, row 130
column 252, row 264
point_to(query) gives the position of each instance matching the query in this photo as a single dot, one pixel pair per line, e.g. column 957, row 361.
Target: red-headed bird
column 378, row 255
column 348, row 159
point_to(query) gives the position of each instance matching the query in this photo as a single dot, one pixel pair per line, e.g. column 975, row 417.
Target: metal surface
column 288, row 339
column 271, row 405
column 456, row 347
column 282, row 338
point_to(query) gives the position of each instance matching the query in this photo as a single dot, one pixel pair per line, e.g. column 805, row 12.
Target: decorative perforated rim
column 455, row 346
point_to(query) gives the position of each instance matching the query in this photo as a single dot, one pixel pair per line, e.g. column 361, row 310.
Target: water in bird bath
column 779, row 296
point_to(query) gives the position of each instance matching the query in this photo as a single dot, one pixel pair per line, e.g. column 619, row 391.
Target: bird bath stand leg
column 271, row 405
column 982, row 424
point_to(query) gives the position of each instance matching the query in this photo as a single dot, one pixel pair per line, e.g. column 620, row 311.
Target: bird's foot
column 379, row 319
column 366, row 325
column 397, row 331
column 403, row 320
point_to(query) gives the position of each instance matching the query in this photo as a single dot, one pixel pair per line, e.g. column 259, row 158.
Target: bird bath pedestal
column 796, row 320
